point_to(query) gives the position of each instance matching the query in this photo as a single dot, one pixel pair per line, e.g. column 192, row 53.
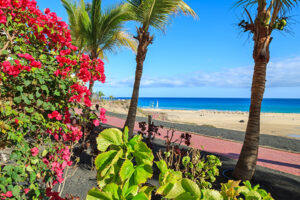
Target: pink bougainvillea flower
column 96, row 122
column 9, row 194
column 26, row 190
column 45, row 161
column 55, row 114
column 47, row 11
column 34, row 151
column 102, row 115
column 2, row 17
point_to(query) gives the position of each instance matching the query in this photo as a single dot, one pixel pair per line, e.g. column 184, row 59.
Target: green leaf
column 26, row 100
column 20, row 89
column 142, row 173
column 252, row 195
column 4, row 52
column 109, row 137
column 37, row 94
column 29, row 168
column 45, row 88
column 27, row 82
column 31, row 96
column 191, row 187
column 95, row 194
column 162, row 166
column 147, row 190
column 56, row 93
column 186, row 196
column 140, row 196
column 29, row 110
column 209, row 194
column 39, row 102
column 113, row 189
column 44, row 153
column 126, row 170
column 132, row 190
column 125, row 135
column 18, row 99
column 171, row 190
column 143, row 154
column 104, row 160
column 34, row 161
column 16, row 191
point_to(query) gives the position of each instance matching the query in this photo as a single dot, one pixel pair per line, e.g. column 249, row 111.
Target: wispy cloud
column 285, row 73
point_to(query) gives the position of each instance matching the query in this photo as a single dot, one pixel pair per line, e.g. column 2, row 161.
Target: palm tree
column 269, row 17
column 101, row 94
column 155, row 14
column 98, row 32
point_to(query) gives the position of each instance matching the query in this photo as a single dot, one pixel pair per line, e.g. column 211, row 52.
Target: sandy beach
column 279, row 124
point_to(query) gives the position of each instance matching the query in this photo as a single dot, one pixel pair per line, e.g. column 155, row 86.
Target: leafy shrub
column 202, row 170
column 122, row 168
column 174, row 186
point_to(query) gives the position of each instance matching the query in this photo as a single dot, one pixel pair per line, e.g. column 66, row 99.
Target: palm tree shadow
column 236, row 156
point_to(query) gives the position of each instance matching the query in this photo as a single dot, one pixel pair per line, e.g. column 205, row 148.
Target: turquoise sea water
column 222, row 104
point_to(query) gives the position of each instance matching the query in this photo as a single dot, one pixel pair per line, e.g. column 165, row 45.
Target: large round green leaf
column 142, row 173
column 111, row 136
column 191, row 187
column 209, row 194
column 142, row 154
column 126, row 170
column 95, row 194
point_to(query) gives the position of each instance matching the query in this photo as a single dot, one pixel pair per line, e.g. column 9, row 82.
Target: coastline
column 278, row 124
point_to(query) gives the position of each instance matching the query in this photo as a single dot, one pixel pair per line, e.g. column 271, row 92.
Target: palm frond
column 97, row 30
column 186, row 9
column 74, row 12
column 157, row 13
column 286, row 4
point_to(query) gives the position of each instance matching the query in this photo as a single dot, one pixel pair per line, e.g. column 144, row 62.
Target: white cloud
column 285, row 73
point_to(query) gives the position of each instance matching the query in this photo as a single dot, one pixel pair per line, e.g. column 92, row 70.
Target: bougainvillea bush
column 42, row 82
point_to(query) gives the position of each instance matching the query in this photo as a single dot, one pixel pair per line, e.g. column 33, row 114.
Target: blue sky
column 208, row 57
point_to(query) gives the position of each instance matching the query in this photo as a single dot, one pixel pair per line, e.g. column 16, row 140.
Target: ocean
column 223, row 104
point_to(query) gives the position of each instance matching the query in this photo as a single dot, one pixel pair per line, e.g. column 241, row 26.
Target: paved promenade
column 274, row 159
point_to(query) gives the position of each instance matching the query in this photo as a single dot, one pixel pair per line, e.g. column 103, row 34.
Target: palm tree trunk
column 246, row 164
column 91, row 85
column 245, row 168
column 144, row 40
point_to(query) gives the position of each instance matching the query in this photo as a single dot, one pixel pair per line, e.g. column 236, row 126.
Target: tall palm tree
column 155, row 14
column 96, row 31
column 269, row 17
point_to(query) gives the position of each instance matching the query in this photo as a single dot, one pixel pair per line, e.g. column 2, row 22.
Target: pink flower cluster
column 5, row 195
column 58, row 162
column 91, row 69
column 102, row 115
column 34, row 151
column 2, row 17
column 47, row 27
column 82, row 92
column 13, row 70
column 55, row 114
column 67, row 116
column 33, row 62
column 53, row 195
column 65, row 63
column 75, row 134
